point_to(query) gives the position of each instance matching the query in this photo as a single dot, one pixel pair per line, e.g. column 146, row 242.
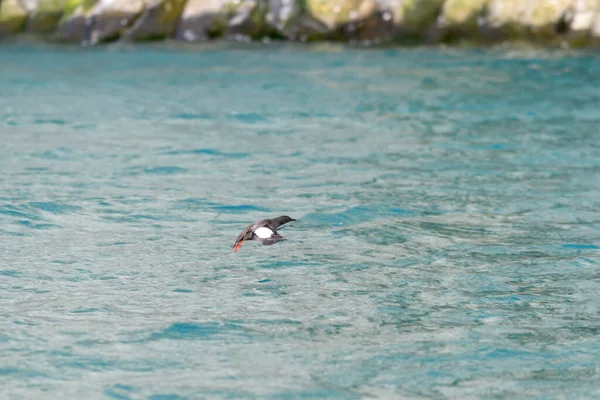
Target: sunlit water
column 447, row 242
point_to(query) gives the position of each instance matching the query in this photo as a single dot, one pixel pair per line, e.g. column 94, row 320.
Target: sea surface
column 447, row 242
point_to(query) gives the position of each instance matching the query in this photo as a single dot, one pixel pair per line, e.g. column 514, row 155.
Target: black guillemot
column 263, row 232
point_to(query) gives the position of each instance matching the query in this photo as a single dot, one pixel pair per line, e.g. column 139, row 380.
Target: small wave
column 208, row 152
column 202, row 331
column 168, row 170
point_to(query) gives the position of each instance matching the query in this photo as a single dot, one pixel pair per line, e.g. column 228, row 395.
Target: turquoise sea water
column 447, row 242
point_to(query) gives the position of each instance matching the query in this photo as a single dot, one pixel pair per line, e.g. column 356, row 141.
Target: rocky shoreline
column 565, row 23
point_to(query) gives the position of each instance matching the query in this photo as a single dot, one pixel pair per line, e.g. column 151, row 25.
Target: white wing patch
column 263, row 232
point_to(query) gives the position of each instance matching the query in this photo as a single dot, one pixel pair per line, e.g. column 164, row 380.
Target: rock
column 338, row 13
column 246, row 19
column 580, row 19
column 505, row 19
column 95, row 21
column 13, row 17
column 544, row 17
column 416, row 18
column 374, row 27
column 110, row 18
column 461, row 18
column 158, row 20
column 354, row 20
column 575, row 22
column 583, row 14
column 515, row 19
column 201, row 20
column 205, row 19
column 290, row 19
column 281, row 12
column 44, row 14
column 75, row 24
column 595, row 28
column 305, row 28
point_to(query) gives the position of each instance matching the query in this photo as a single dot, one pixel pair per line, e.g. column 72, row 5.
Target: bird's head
column 285, row 219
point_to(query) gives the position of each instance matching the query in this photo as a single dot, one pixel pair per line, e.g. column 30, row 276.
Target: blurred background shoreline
column 547, row 23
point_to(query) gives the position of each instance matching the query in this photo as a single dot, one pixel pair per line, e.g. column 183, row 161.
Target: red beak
column 237, row 246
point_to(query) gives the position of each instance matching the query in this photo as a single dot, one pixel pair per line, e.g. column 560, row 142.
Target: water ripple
column 446, row 243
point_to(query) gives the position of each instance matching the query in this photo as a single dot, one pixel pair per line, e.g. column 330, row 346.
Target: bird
column 263, row 231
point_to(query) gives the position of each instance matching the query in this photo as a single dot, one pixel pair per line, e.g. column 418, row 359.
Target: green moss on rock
column 205, row 19
column 335, row 13
column 505, row 19
column 463, row 13
column 158, row 20
column 13, row 17
column 201, row 20
column 45, row 15
column 81, row 6
column 417, row 17
column 293, row 20
column 460, row 19
column 352, row 20
column 246, row 18
column 542, row 20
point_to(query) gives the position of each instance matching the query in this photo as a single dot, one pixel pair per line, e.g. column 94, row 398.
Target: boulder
column 204, row 19
column 110, row 18
column 201, row 20
column 44, row 14
column 305, row 28
column 75, row 23
column 13, row 17
column 516, row 19
column 545, row 19
column 336, row 13
column 158, row 20
column 583, row 13
column 372, row 27
column 247, row 19
column 281, row 12
column 353, row 20
column 461, row 18
column 416, row 18
column 595, row 28
column 292, row 20
column 96, row 21
column 581, row 17
column 505, row 19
